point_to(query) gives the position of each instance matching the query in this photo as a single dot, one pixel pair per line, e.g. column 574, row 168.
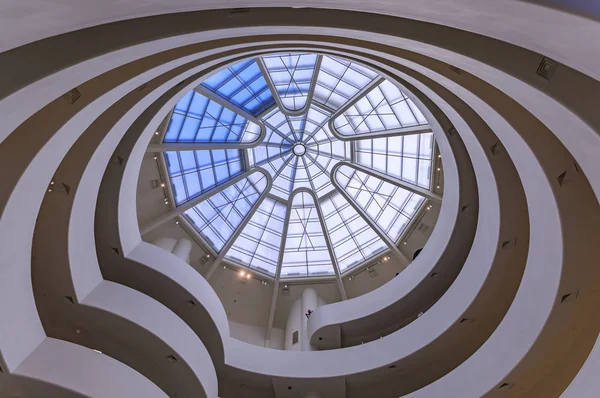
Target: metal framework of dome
column 298, row 164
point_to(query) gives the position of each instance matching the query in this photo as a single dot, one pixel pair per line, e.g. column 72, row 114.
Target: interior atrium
column 300, row 199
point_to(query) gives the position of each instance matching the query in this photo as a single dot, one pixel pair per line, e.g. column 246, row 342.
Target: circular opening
column 299, row 149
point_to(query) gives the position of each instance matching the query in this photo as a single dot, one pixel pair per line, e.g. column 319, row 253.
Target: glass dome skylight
column 298, row 164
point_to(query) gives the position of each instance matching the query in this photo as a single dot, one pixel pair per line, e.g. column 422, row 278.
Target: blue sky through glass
column 195, row 172
column 244, row 85
column 378, row 106
column 199, row 119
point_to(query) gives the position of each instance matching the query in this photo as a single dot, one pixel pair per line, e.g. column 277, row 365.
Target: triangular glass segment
column 306, row 252
column 259, row 243
column 339, row 80
column 407, row 158
column 195, row 172
column 217, row 218
column 238, row 103
column 199, row 119
column 292, row 75
column 319, row 153
column 384, row 108
column 244, row 85
column 388, row 205
column 353, row 240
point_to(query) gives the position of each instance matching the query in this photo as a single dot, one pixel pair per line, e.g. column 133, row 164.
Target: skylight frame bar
column 259, row 240
column 273, row 88
column 392, row 245
column 240, row 228
column 426, row 192
column 347, row 66
column 350, row 233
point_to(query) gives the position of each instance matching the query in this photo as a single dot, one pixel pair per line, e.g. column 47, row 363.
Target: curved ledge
column 54, row 362
column 539, row 314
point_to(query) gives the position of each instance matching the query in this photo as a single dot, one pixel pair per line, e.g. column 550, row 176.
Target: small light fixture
column 162, row 184
column 404, row 242
column 224, row 267
column 155, row 158
column 440, row 156
column 439, row 169
column 156, row 133
column 242, row 274
column 208, row 255
column 248, row 275
column 438, row 187
column 285, row 286
column 98, row 351
column 49, row 189
column 51, row 182
column 166, row 202
column 177, row 222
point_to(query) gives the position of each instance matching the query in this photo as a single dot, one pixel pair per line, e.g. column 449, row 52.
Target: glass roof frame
column 364, row 94
column 273, row 85
column 351, row 155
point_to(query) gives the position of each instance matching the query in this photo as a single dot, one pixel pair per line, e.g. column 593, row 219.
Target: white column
column 182, row 249
column 310, row 301
column 165, row 243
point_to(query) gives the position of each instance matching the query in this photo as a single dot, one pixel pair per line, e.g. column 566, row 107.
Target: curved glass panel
column 244, row 85
column 408, row 158
column 306, row 252
column 195, row 172
column 299, row 152
column 259, row 243
column 292, row 75
column 339, row 80
column 199, row 119
column 217, row 218
column 353, row 240
column 385, row 107
column 388, row 205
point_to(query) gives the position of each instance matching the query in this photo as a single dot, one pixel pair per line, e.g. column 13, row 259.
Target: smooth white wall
column 294, row 323
column 182, row 249
column 297, row 320
column 256, row 335
column 310, row 301
column 165, row 243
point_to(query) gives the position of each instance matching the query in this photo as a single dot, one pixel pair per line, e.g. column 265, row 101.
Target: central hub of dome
column 299, row 149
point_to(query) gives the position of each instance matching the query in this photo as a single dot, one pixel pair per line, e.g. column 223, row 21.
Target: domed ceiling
column 300, row 165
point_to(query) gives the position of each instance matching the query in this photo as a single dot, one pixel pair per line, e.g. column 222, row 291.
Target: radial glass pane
column 353, row 240
column 320, row 152
column 408, row 158
column 195, row 172
column 388, row 205
column 339, row 80
column 306, row 252
column 259, row 243
column 244, row 85
column 299, row 153
column 199, row 119
column 292, row 75
column 217, row 218
column 383, row 108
